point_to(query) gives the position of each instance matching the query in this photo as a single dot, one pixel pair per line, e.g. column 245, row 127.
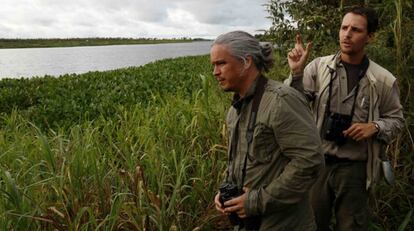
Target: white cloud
column 129, row 18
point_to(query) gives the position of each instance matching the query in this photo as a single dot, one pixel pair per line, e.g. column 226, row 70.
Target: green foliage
column 316, row 21
column 52, row 102
column 319, row 21
column 150, row 161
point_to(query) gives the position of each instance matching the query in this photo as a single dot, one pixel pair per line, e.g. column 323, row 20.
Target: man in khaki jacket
column 357, row 110
column 274, row 169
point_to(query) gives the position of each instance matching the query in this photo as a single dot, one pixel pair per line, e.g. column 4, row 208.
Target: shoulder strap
column 261, row 82
column 361, row 74
column 260, row 87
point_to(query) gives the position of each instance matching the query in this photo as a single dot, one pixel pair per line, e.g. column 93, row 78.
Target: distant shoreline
column 74, row 42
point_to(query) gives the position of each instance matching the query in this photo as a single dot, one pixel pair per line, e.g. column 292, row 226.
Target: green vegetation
column 144, row 148
column 318, row 21
column 72, row 42
column 141, row 148
column 133, row 149
column 55, row 102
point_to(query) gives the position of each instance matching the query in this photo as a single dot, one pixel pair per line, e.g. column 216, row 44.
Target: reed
column 151, row 168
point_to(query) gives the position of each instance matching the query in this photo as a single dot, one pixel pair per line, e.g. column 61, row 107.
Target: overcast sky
column 129, row 18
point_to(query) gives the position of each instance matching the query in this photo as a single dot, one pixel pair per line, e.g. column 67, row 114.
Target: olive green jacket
column 284, row 158
column 384, row 106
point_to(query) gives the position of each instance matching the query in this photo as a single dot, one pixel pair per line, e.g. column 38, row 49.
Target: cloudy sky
column 129, row 18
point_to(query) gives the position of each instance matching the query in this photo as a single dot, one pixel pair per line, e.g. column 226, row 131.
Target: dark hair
column 242, row 44
column 369, row 14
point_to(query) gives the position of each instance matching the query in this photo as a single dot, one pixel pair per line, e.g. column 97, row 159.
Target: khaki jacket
column 284, row 159
column 384, row 105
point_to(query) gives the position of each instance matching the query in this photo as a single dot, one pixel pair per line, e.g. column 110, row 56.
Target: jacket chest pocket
column 362, row 108
column 263, row 145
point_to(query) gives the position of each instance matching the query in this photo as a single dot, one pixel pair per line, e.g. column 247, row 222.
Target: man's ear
column 248, row 62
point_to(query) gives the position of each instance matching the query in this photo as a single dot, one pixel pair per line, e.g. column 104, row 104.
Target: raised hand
column 298, row 56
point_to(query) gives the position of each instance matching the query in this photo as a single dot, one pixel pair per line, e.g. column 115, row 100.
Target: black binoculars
column 229, row 191
column 333, row 126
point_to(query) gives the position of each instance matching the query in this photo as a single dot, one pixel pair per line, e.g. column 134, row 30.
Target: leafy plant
column 318, row 21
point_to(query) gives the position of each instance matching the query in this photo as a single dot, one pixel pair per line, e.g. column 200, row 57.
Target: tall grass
column 152, row 168
column 147, row 160
column 394, row 205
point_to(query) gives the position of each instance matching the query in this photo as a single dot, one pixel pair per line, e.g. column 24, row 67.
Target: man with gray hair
column 274, row 148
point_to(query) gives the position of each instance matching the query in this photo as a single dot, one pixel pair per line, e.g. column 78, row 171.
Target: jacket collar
column 335, row 61
column 238, row 102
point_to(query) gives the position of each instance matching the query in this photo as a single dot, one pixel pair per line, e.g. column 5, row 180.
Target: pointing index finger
column 309, row 46
column 299, row 39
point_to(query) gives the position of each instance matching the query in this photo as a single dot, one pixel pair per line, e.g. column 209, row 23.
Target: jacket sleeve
column 298, row 139
column 306, row 81
column 391, row 118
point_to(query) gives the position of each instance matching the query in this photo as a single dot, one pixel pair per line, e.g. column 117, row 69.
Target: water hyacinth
column 132, row 149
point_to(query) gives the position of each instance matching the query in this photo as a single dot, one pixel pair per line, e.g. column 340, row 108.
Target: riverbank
column 72, row 42
column 28, row 62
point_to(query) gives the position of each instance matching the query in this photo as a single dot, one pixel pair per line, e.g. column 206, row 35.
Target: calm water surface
column 28, row 62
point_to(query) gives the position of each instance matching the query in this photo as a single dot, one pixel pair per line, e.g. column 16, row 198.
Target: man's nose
column 216, row 71
column 348, row 33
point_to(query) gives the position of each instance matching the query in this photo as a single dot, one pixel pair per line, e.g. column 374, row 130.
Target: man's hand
column 236, row 205
column 360, row 131
column 217, row 202
column 298, row 56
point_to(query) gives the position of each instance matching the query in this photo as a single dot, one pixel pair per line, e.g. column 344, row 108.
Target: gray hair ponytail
column 243, row 44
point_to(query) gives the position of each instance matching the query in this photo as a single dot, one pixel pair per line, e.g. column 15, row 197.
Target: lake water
column 28, row 62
